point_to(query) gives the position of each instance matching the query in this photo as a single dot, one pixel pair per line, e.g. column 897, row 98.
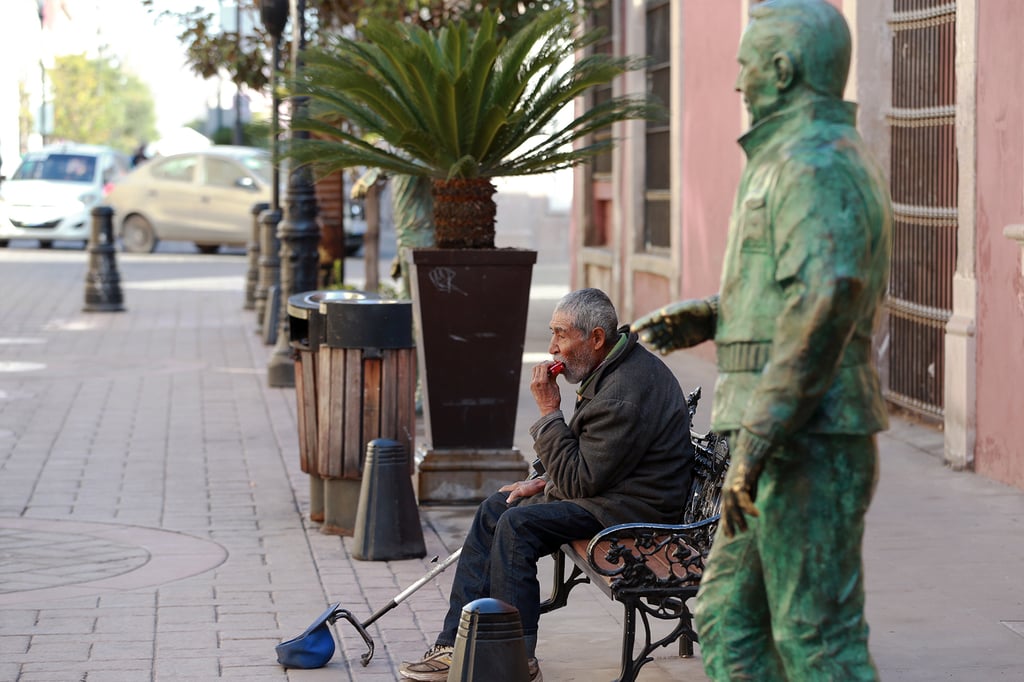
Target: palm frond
column 462, row 103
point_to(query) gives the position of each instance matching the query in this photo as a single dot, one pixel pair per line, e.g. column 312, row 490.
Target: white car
column 53, row 191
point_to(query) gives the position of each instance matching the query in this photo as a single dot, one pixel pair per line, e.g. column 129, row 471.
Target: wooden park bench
column 652, row 569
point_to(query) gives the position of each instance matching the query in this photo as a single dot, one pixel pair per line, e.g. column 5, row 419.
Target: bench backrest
column 704, row 498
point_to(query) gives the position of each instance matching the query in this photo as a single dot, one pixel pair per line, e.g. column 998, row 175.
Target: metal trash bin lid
column 302, row 304
column 367, row 323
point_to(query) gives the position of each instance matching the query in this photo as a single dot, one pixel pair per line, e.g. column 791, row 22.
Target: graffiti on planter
column 443, row 280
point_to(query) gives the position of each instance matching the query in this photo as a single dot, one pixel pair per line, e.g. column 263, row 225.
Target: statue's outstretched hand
column 362, row 185
column 740, row 487
column 677, row 325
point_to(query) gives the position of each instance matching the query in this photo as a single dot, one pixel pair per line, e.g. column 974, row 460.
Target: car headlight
column 88, row 198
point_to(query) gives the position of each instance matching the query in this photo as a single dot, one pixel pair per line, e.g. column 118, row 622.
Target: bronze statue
column 805, row 272
column 413, row 207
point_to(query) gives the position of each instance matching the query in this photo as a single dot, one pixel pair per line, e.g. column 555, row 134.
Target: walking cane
column 538, row 470
column 395, row 601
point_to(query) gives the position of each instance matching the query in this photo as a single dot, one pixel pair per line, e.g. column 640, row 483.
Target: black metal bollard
column 489, row 646
column 269, row 265
column 387, row 520
column 102, row 282
column 299, row 236
column 252, row 275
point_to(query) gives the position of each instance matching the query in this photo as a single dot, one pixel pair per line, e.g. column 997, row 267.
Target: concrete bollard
column 252, row 274
column 340, row 505
column 316, row 499
column 102, row 282
column 489, row 646
column 387, row 519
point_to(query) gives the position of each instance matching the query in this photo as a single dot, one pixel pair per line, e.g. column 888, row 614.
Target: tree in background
column 96, row 102
column 246, row 58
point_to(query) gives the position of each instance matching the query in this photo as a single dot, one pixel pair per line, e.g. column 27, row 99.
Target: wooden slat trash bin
column 305, row 333
column 365, row 389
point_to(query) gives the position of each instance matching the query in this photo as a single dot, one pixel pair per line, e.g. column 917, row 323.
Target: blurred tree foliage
column 96, row 102
column 246, row 59
column 255, row 133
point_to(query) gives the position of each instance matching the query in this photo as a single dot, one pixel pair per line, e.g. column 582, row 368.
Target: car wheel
column 208, row 248
column 137, row 235
column 4, row 243
column 44, row 244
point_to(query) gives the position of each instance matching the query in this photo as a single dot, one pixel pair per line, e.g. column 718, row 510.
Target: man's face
column 757, row 79
column 572, row 347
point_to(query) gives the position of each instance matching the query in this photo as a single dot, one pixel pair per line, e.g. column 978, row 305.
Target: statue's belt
column 752, row 356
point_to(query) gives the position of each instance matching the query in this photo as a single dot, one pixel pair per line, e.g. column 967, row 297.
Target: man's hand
column 545, row 390
column 523, row 489
column 678, row 325
column 740, row 487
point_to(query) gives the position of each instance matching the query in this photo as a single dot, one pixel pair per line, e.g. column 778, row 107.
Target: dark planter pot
column 470, row 310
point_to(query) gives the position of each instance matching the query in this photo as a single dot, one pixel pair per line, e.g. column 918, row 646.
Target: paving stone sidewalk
column 153, row 515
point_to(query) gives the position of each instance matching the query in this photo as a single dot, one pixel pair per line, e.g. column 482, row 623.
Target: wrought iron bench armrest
column 646, row 557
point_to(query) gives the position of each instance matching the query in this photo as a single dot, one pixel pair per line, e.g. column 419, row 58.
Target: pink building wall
column 711, row 120
column 708, row 118
column 1000, row 201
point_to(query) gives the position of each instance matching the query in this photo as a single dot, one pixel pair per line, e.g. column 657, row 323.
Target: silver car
column 205, row 197
column 52, row 193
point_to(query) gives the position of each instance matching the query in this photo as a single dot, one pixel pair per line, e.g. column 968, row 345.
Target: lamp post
column 298, row 232
column 274, row 15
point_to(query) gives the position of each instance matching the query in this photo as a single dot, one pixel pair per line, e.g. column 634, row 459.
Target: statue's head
column 792, row 48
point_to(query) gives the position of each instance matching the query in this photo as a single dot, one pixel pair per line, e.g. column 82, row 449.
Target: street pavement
column 154, row 520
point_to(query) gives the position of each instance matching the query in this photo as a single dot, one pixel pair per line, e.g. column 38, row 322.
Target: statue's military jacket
column 805, row 272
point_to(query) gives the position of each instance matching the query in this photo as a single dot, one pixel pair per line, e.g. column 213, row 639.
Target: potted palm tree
column 463, row 106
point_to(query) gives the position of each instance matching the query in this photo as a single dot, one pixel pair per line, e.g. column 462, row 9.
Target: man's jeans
column 499, row 557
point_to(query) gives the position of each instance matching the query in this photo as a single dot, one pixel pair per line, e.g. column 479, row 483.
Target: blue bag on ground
column 313, row 648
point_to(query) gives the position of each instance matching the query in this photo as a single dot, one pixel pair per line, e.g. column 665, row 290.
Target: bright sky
column 148, row 46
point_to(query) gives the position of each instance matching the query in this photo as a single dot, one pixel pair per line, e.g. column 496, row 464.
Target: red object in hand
column 556, row 369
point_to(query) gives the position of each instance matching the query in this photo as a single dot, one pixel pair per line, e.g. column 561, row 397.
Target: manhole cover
column 37, row 559
column 42, row 560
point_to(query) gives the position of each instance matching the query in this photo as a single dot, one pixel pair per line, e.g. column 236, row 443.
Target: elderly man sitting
column 623, row 456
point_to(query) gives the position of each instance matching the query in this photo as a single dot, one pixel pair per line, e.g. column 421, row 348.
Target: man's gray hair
column 589, row 309
column 816, row 36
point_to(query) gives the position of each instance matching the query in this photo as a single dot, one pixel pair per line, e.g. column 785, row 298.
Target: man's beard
column 576, row 370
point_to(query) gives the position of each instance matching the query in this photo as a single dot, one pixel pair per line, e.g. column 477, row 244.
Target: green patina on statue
column 805, row 272
column 413, row 208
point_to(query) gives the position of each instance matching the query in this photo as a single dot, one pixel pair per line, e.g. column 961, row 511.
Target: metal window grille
column 657, row 143
column 924, row 192
column 596, row 225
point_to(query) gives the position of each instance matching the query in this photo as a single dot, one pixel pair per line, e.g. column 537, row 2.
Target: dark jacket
column 626, row 455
